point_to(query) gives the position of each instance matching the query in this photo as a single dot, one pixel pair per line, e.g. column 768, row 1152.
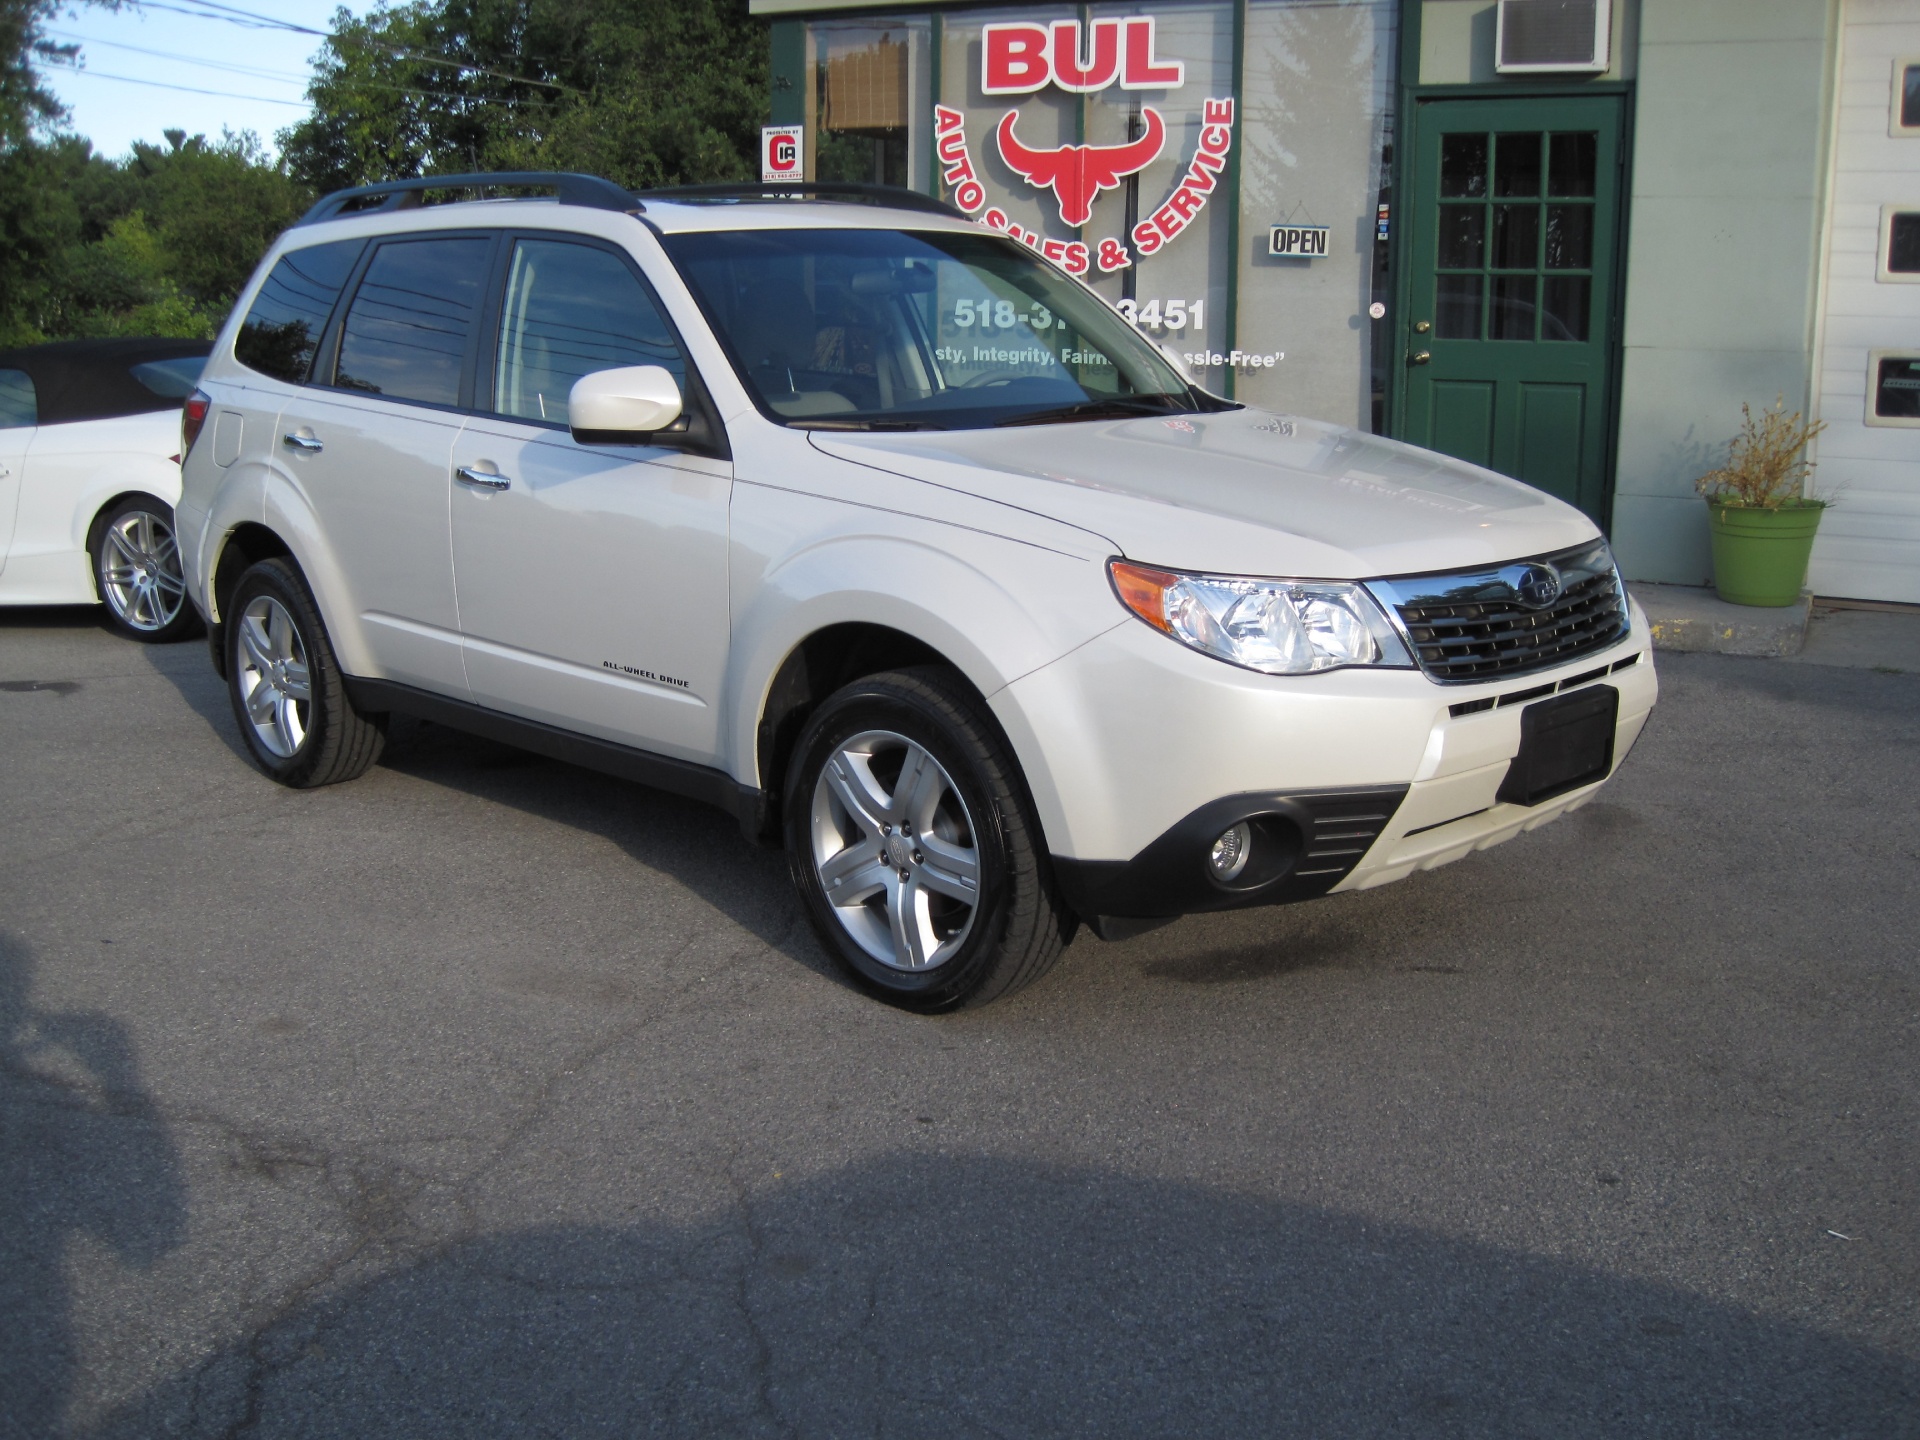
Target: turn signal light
column 193, row 416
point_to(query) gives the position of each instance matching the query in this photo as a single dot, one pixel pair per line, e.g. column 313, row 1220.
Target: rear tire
column 913, row 843
column 136, row 571
column 287, row 691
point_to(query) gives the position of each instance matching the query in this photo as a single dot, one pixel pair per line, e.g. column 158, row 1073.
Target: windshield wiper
column 867, row 425
column 1113, row 407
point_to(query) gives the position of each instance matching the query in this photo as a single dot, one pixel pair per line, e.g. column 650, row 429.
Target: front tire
column 136, row 570
column 288, row 695
column 914, row 847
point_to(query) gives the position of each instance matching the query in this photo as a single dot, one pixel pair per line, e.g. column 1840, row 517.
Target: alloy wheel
column 894, row 850
column 140, row 575
column 273, row 679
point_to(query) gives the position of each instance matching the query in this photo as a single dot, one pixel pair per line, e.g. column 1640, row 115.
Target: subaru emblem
column 1535, row 585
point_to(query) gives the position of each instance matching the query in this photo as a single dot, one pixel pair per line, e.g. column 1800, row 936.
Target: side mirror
column 624, row 406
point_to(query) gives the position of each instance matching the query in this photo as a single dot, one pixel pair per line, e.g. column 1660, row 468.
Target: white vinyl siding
column 1869, row 545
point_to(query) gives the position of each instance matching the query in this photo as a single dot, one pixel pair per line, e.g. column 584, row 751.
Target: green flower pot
column 1760, row 556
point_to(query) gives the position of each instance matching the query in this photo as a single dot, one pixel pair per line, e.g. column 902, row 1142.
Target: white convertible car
column 89, row 473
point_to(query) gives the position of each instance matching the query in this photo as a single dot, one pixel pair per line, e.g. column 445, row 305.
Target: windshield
column 885, row 329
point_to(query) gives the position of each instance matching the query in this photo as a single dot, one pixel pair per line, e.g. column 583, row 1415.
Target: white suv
column 873, row 528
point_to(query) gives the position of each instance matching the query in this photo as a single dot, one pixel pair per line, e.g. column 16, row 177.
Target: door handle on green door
column 1420, row 327
column 1419, row 357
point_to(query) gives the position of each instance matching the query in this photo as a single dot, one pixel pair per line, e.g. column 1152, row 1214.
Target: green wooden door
column 1508, row 340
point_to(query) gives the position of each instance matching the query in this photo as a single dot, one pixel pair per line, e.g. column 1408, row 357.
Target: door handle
column 1419, row 357
column 485, row 480
column 1421, row 327
column 305, row 444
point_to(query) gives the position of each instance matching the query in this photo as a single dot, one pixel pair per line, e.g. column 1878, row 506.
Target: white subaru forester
column 870, row 526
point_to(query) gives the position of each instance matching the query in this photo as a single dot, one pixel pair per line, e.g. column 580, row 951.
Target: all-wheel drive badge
column 1535, row 585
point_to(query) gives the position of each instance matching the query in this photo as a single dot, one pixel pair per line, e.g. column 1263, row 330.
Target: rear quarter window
column 171, row 379
column 283, row 326
column 18, row 405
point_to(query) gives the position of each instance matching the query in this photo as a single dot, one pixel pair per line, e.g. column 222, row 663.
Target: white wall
column 1869, row 545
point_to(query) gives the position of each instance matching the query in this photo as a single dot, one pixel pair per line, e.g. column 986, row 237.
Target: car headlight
column 1278, row 627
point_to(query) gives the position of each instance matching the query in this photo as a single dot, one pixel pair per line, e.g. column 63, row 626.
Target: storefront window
column 870, row 101
column 1319, row 136
column 1106, row 135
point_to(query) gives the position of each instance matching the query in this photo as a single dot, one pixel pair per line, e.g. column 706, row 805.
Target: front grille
column 1473, row 625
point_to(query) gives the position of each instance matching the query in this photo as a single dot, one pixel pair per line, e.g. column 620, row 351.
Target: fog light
column 1231, row 852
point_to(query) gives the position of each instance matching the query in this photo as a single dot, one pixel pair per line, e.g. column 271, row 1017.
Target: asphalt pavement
column 489, row 1097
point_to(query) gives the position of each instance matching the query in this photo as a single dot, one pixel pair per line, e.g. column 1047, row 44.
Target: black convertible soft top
column 95, row 379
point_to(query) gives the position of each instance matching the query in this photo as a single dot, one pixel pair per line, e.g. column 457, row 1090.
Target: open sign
column 1300, row 241
column 780, row 153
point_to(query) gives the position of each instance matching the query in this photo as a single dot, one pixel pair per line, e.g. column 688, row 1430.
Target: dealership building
column 1566, row 239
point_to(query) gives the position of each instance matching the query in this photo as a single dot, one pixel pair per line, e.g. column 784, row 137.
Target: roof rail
column 570, row 189
column 892, row 196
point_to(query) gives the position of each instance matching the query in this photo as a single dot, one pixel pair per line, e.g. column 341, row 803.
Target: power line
column 271, row 100
column 189, row 89
column 189, row 59
column 252, row 20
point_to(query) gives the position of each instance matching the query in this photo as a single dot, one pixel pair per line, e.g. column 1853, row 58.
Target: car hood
column 1239, row 492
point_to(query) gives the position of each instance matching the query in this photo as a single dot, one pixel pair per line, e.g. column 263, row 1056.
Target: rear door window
column 406, row 332
column 572, row 309
column 283, row 326
column 18, row 405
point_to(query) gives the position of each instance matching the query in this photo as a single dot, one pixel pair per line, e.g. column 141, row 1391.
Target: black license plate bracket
column 1565, row 742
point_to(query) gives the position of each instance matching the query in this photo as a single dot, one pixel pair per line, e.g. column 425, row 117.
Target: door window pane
column 1456, row 311
column 1903, row 244
column 1463, row 166
column 1571, row 170
column 1516, row 163
column 1513, row 308
column 1516, row 237
column 18, row 405
column 1463, row 237
column 1565, row 313
column 406, row 332
column 1910, row 98
column 283, row 325
column 1569, row 237
column 571, row 310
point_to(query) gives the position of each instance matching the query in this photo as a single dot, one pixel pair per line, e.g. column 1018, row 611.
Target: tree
column 156, row 244
column 645, row 92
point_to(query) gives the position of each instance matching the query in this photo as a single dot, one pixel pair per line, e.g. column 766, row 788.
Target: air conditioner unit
column 1549, row 37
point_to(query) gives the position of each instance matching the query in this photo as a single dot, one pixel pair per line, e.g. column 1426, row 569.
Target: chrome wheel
column 273, row 680
column 140, row 576
column 893, row 846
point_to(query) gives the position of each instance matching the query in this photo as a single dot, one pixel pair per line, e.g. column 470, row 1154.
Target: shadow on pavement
column 697, row 845
column 82, row 1153
column 921, row 1294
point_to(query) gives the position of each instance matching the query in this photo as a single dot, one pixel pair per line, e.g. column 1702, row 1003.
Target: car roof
column 784, row 206
column 93, row 379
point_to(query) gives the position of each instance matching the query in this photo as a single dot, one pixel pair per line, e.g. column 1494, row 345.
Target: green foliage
column 645, row 92
column 155, row 244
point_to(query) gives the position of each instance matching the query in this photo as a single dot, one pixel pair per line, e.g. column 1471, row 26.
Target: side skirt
column 746, row 803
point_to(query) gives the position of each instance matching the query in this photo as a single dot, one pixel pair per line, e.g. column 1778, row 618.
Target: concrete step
column 1691, row 618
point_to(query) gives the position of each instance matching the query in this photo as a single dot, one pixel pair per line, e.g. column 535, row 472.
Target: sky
column 144, row 64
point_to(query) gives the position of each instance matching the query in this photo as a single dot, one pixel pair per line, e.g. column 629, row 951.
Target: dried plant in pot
column 1759, row 511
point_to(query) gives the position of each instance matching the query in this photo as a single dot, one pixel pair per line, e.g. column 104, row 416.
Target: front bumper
column 1357, row 777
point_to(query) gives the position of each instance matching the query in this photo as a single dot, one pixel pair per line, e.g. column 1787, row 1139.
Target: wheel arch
column 98, row 524
column 822, row 662
column 246, row 544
